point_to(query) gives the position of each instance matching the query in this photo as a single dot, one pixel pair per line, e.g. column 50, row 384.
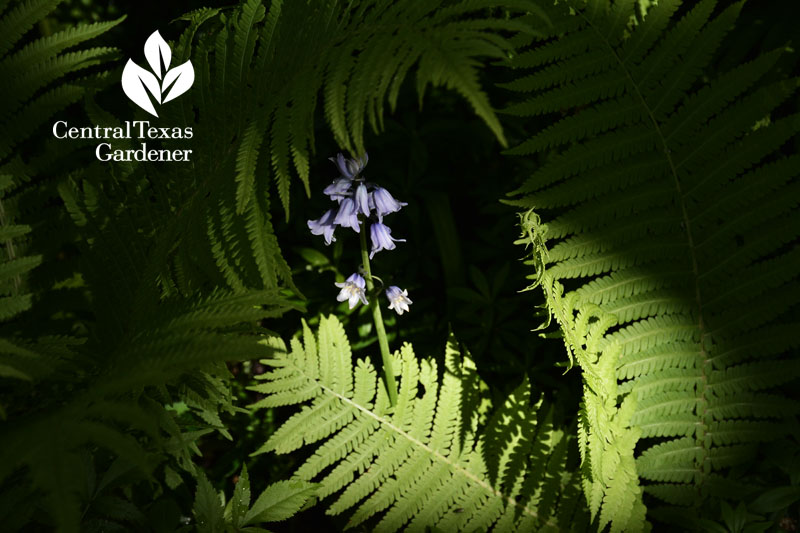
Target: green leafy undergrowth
column 279, row 501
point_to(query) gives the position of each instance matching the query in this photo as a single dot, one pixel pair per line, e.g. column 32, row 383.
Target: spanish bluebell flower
column 381, row 238
column 362, row 200
column 353, row 291
column 324, row 226
column 398, row 299
column 385, row 202
column 350, row 168
column 347, row 217
column 341, row 164
column 339, row 189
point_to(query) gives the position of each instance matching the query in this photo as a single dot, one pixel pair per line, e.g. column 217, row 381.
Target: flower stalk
column 377, row 317
column 361, row 206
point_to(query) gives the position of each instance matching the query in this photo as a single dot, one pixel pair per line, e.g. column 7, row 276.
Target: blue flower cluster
column 355, row 197
column 357, row 202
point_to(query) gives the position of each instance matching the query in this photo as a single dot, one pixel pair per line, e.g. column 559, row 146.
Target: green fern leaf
column 670, row 224
column 42, row 49
column 420, row 464
column 257, row 88
column 19, row 20
column 207, row 506
column 279, row 501
column 246, row 165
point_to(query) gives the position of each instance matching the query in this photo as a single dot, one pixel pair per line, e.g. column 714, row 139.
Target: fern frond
column 16, row 360
column 257, row 89
column 278, row 502
column 139, row 348
column 19, row 20
column 671, row 223
column 33, row 115
column 423, row 463
column 357, row 56
column 42, row 49
column 28, row 74
column 246, row 165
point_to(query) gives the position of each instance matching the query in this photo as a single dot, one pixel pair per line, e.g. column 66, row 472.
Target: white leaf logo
column 140, row 84
column 134, row 81
column 183, row 78
column 156, row 49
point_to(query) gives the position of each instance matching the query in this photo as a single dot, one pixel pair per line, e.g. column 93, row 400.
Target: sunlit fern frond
column 425, row 463
column 667, row 242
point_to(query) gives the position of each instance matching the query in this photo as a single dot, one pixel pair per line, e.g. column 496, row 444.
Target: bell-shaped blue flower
column 362, row 200
column 339, row 189
column 347, row 216
column 398, row 299
column 324, row 226
column 385, row 202
column 382, row 238
column 350, row 168
column 352, row 290
column 341, row 164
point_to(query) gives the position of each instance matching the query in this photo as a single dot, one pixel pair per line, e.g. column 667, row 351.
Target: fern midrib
column 456, row 467
column 700, row 394
column 10, row 250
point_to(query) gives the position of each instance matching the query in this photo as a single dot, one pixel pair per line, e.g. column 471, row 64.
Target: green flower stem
column 383, row 342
